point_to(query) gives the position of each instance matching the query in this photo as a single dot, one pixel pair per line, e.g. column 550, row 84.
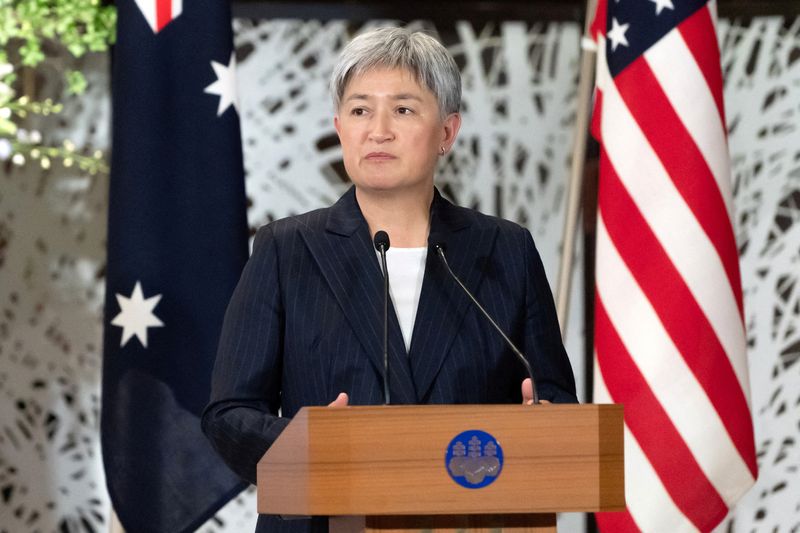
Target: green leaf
column 76, row 49
column 7, row 127
column 31, row 53
column 76, row 82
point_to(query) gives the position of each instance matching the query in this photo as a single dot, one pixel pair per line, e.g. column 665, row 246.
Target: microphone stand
column 381, row 242
column 440, row 252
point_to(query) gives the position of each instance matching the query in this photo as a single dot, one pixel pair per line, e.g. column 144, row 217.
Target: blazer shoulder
column 484, row 221
column 288, row 227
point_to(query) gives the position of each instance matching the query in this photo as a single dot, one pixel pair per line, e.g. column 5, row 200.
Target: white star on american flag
column 662, row 4
column 617, row 34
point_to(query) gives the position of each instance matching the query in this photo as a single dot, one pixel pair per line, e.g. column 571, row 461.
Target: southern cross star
column 136, row 315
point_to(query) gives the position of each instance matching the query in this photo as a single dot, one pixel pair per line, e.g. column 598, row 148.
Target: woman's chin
column 392, row 185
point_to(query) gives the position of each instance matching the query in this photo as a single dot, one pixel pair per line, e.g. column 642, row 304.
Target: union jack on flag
column 159, row 13
column 669, row 330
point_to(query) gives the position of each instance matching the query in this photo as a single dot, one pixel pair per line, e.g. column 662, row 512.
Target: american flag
column 669, row 330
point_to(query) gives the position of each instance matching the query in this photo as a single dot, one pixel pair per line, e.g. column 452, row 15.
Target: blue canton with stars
column 641, row 24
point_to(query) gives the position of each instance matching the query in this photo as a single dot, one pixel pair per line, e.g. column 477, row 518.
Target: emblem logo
column 474, row 459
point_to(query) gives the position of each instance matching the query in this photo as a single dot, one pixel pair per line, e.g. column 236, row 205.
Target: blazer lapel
column 348, row 262
column 442, row 303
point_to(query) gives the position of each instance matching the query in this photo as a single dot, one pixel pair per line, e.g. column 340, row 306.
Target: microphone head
column 436, row 241
column 381, row 240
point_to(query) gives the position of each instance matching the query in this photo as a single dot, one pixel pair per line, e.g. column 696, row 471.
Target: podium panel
column 392, row 468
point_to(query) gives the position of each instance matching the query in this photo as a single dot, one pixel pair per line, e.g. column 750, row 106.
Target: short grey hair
column 419, row 53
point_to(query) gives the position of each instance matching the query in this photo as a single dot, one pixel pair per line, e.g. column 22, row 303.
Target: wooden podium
column 383, row 468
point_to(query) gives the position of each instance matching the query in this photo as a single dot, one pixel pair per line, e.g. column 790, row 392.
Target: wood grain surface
column 390, row 460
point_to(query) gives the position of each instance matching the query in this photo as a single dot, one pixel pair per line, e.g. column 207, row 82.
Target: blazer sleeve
column 551, row 367
column 241, row 420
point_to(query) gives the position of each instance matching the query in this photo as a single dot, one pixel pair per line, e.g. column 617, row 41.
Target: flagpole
column 575, row 185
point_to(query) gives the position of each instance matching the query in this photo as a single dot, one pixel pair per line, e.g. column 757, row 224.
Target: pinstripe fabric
column 305, row 323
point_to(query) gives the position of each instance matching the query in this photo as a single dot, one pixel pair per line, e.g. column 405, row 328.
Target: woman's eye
column 358, row 111
column 404, row 110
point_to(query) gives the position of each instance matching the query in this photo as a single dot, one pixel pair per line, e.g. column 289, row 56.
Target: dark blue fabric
column 177, row 226
column 306, row 323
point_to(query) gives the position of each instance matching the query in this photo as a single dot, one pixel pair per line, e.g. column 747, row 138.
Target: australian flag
column 177, row 241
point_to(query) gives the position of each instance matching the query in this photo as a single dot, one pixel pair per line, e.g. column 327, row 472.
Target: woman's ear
column 451, row 125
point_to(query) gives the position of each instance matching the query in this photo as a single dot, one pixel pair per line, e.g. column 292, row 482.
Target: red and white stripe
column 159, row 13
column 669, row 331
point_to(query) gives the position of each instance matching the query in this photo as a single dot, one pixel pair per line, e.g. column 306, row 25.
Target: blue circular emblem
column 474, row 459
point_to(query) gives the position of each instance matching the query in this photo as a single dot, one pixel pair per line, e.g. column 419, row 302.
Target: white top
column 406, row 270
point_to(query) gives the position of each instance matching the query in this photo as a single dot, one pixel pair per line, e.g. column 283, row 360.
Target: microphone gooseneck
column 439, row 246
column 381, row 242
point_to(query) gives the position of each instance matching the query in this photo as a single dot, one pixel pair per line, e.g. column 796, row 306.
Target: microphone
column 439, row 245
column 381, row 242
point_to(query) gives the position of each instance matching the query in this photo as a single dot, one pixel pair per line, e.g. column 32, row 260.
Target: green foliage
column 76, row 82
column 30, row 151
column 28, row 29
column 79, row 25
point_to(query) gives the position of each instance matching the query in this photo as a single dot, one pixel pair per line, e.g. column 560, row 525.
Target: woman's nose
column 381, row 128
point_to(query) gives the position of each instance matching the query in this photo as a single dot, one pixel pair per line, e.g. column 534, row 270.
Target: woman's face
column 391, row 131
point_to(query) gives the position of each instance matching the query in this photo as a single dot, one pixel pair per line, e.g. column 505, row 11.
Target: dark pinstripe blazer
column 306, row 322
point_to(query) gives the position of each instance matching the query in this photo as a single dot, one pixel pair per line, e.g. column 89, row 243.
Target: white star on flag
column 617, row 34
column 225, row 86
column 136, row 315
column 661, row 4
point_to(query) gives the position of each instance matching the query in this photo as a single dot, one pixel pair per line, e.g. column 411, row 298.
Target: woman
column 305, row 324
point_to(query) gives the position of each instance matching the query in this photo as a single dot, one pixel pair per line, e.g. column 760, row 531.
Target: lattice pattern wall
column 52, row 256
column 761, row 63
column 511, row 159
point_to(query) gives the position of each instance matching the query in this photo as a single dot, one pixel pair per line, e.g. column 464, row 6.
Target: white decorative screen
column 511, row 159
